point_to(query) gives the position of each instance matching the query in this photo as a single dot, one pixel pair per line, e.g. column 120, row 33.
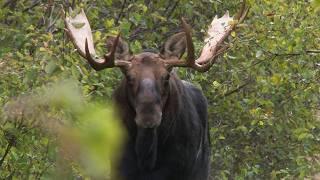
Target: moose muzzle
column 148, row 107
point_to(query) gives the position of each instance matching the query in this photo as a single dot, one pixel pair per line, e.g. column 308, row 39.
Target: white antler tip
column 226, row 14
column 82, row 11
column 70, row 10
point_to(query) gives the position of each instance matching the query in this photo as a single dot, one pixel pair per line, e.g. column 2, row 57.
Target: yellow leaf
column 276, row 79
column 42, row 49
column 78, row 25
column 233, row 34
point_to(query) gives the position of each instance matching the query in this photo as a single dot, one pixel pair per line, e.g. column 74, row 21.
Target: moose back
column 165, row 117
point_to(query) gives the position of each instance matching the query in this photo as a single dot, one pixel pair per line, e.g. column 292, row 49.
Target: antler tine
column 190, row 47
column 109, row 59
column 219, row 30
column 241, row 15
column 190, row 61
column 70, row 10
column 97, row 65
column 79, row 31
column 243, row 12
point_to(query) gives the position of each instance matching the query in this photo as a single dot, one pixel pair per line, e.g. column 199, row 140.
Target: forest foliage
column 56, row 115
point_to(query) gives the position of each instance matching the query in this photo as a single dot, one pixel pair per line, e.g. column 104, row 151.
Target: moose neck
column 146, row 148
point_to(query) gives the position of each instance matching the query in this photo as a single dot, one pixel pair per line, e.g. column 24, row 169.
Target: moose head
column 148, row 74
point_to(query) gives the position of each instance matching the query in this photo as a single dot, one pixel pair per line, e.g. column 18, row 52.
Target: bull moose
column 165, row 117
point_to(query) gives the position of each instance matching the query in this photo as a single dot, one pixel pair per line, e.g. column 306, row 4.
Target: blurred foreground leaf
column 86, row 136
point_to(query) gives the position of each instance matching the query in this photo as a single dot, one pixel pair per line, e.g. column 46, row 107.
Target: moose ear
column 174, row 46
column 122, row 51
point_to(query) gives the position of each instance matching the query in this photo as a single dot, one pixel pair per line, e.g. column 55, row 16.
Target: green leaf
column 78, row 25
column 51, row 67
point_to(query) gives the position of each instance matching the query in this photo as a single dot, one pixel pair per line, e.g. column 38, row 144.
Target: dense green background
column 263, row 93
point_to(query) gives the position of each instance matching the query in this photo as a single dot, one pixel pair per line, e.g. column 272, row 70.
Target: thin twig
column 312, row 51
column 315, row 51
column 32, row 6
column 73, row 3
column 121, row 12
column 11, row 3
column 8, row 148
column 172, row 9
column 236, row 89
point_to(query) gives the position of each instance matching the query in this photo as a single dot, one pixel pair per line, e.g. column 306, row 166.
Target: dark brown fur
column 178, row 148
column 165, row 117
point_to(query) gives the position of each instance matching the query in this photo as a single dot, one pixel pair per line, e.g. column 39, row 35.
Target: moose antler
column 79, row 31
column 218, row 31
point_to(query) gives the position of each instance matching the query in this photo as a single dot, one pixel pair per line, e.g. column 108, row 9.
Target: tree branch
column 308, row 51
column 36, row 3
column 169, row 13
column 312, row 51
column 121, row 12
column 297, row 53
column 236, row 89
column 8, row 148
column 11, row 3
